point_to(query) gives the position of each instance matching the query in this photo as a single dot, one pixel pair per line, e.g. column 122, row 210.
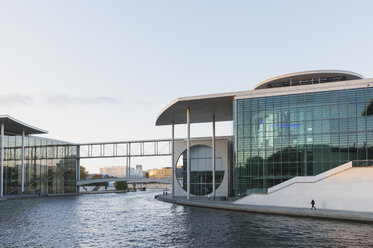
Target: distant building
column 113, row 171
column 120, row 171
column 138, row 172
column 164, row 173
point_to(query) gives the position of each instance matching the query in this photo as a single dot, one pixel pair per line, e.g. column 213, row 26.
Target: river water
column 138, row 220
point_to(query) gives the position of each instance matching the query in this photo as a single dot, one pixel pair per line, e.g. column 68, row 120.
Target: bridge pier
column 128, row 161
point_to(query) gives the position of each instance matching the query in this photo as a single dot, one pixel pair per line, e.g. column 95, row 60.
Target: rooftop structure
column 307, row 77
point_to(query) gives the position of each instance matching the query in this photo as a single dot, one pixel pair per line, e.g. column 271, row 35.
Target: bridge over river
column 128, row 180
column 123, row 149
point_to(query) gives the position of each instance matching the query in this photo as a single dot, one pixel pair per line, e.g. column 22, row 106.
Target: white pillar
column 77, row 167
column 2, row 161
column 213, row 155
column 129, row 160
column 188, row 153
column 23, row 164
column 173, row 159
column 129, row 166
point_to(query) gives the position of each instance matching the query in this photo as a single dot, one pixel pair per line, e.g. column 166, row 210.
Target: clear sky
column 103, row 70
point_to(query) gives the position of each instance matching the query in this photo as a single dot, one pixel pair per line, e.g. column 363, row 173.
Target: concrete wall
column 222, row 147
column 342, row 188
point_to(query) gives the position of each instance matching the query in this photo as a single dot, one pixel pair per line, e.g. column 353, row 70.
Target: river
column 138, row 220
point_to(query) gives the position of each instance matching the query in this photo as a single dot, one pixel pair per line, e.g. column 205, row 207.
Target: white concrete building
column 293, row 136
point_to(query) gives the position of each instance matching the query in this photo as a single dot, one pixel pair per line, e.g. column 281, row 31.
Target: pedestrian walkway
column 298, row 212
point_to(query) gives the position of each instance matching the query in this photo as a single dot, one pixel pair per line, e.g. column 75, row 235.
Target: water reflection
column 137, row 220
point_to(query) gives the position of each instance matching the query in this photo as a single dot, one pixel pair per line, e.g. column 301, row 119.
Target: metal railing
column 137, row 148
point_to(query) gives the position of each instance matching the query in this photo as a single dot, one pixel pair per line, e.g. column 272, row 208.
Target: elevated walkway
column 128, row 180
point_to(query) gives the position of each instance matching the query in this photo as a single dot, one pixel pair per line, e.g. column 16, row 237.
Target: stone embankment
column 296, row 212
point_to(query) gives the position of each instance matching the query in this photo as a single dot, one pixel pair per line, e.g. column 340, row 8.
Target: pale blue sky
column 103, row 70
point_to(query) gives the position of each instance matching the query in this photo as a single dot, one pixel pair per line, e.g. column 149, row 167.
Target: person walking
column 313, row 204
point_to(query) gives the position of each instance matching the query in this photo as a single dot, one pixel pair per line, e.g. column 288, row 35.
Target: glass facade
column 49, row 166
column 280, row 137
column 200, row 170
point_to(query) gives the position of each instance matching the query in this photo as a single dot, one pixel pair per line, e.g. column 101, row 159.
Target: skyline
column 106, row 74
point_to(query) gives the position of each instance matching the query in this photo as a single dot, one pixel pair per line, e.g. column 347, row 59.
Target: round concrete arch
column 196, row 151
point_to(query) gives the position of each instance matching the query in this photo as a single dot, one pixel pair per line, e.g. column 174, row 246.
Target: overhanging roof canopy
column 202, row 109
column 13, row 126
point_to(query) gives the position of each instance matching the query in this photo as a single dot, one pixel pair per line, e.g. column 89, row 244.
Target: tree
column 83, row 173
column 96, row 176
column 121, row 185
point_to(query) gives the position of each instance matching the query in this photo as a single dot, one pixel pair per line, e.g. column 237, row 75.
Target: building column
column 2, row 162
column 129, row 160
column 213, row 155
column 188, row 153
column 23, row 164
column 173, row 159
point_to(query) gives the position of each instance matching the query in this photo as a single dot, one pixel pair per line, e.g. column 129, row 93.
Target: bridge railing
column 128, row 180
column 138, row 148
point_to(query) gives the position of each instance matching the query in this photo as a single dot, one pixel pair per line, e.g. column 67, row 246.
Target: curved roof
column 308, row 75
column 13, row 126
column 202, row 109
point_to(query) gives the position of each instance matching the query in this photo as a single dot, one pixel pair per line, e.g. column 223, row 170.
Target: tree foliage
column 83, row 173
column 96, row 176
column 121, row 185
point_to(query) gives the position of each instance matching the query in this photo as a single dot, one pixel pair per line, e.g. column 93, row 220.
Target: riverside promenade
column 295, row 212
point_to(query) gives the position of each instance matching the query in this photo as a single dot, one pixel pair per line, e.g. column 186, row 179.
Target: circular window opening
column 200, row 170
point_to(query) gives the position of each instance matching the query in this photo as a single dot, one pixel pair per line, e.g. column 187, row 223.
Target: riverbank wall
column 288, row 211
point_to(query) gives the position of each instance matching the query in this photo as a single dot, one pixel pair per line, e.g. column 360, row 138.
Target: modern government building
column 32, row 165
column 297, row 137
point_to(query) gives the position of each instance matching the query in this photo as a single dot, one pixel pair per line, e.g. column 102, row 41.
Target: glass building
column 299, row 124
column 33, row 165
column 283, row 136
